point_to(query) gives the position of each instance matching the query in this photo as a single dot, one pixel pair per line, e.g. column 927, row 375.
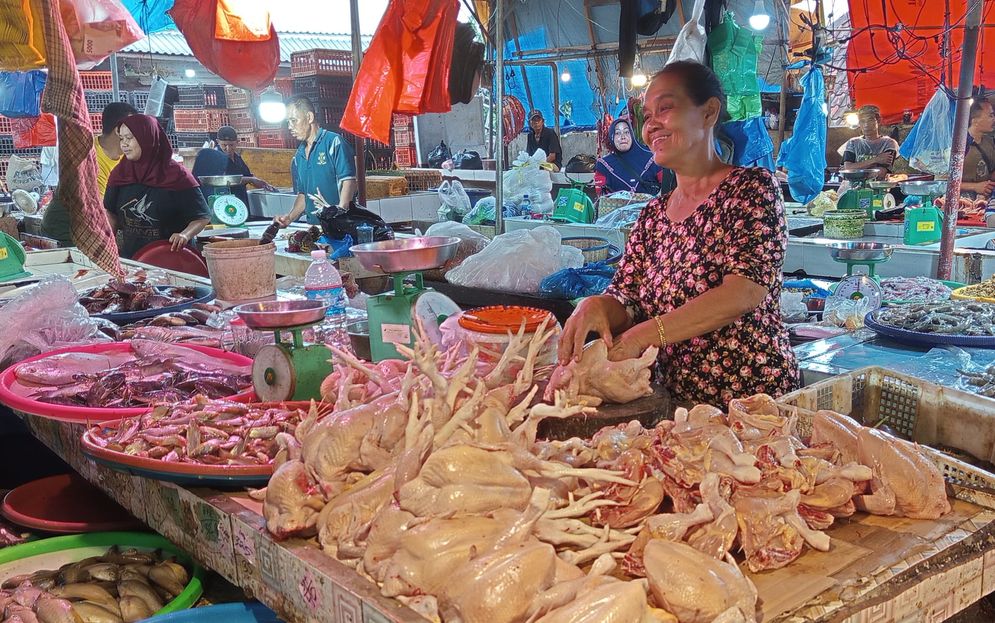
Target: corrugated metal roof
column 172, row 43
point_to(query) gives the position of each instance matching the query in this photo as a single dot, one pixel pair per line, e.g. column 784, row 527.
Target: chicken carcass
column 906, row 483
column 695, row 587
column 757, row 417
column 609, row 600
column 667, row 527
column 836, row 431
column 595, row 379
column 715, row 537
column 346, row 519
column 464, row 479
column 292, row 502
column 770, row 529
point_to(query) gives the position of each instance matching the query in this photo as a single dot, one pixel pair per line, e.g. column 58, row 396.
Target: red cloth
column 248, row 64
column 155, row 167
column 77, row 188
column 406, row 67
column 903, row 85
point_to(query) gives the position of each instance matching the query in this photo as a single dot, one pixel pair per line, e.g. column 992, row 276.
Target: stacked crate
column 403, row 132
column 324, row 77
column 198, row 113
column 240, row 115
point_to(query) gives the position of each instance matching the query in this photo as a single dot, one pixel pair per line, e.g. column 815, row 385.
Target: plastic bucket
column 242, row 270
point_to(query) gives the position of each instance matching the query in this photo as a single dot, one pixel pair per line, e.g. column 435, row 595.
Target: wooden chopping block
column 650, row 411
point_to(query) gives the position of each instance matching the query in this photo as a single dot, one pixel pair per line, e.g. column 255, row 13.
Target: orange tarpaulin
column 897, row 84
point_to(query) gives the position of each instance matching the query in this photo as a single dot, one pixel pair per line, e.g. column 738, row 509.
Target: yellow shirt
column 105, row 164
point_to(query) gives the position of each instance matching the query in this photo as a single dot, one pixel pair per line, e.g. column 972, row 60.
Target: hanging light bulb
column 760, row 19
column 638, row 79
column 189, row 73
column 565, row 76
column 271, row 106
column 851, row 119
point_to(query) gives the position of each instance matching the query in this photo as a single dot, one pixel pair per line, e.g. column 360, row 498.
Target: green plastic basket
column 140, row 540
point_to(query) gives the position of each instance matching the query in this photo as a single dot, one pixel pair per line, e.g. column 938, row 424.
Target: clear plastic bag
column 454, row 200
column 571, row 257
column 927, row 147
column 470, row 244
column 793, row 309
column 622, row 217
column 691, row 41
column 45, row 317
column 97, row 28
column 517, row 261
column 525, row 177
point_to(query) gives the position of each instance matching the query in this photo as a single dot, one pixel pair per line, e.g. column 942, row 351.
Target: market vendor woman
column 701, row 274
column 149, row 196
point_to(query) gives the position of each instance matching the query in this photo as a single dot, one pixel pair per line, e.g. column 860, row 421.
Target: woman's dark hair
column 699, row 81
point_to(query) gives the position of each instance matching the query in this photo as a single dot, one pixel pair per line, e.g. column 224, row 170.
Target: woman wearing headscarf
column 629, row 165
column 149, row 196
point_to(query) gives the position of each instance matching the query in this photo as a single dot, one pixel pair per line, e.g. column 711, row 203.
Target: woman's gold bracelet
column 661, row 332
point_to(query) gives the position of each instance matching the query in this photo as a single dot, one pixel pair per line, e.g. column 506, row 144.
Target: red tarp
column 908, row 84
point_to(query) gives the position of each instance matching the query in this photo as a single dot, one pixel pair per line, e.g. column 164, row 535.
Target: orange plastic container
column 491, row 328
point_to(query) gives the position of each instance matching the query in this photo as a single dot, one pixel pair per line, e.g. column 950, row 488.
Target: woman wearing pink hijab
column 149, row 196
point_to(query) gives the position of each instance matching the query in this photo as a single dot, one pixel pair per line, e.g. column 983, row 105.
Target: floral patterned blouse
column 739, row 230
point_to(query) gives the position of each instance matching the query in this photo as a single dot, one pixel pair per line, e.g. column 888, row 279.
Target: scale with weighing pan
column 858, row 287
column 226, row 209
column 287, row 370
column 12, row 258
column 394, row 315
column 862, row 195
column 923, row 220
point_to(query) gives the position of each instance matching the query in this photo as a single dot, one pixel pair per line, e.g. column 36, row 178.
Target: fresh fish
column 134, row 609
column 103, row 571
column 142, row 590
column 53, row 610
column 88, row 592
column 187, row 358
column 63, row 369
column 170, row 576
column 90, row 612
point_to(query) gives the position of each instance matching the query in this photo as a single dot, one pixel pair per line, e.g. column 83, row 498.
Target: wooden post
column 357, row 57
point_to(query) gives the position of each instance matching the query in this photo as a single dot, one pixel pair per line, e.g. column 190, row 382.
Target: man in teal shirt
column 324, row 166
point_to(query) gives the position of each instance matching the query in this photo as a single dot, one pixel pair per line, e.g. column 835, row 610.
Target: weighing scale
column 923, row 220
column 858, row 287
column 394, row 315
column 226, row 208
column 287, row 370
column 862, row 195
column 11, row 258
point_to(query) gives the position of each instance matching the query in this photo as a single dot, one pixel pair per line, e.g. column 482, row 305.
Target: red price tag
column 309, row 591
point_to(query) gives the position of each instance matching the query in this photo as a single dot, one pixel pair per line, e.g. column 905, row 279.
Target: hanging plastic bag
column 98, row 28
column 527, row 177
column 691, row 41
column 455, row 201
column 23, row 174
column 804, row 154
column 20, row 93
column 22, row 44
column 241, row 20
column 517, row 261
column 248, row 64
column 439, row 155
column 572, row 283
column 927, row 147
column 37, row 132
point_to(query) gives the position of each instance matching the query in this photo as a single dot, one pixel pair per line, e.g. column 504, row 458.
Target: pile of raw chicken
column 432, row 470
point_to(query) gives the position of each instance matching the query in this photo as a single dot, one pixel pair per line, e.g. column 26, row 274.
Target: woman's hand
column 283, row 221
column 178, row 241
column 592, row 315
column 634, row 342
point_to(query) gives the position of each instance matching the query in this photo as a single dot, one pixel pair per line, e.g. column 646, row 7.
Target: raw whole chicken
column 610, row 601
column 771, row 530
column 292, row 502
column 695, row 587
column 595, row 379
column 906, row 483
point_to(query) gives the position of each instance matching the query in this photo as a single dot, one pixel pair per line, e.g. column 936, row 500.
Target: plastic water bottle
column 322, row 282
column 364, row 233
column 525, row 207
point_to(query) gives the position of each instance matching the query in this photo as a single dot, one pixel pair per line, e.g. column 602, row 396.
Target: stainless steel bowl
column 359, row 338
column 220, row 180
column 860, row 251
column 924, row 188
column 861, row 175
column 881, row 185
column 406, row 254
column 281, row 314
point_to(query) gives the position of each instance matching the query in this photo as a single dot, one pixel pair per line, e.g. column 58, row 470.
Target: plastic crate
column 401, row 122
column 329, row 116
column 929, row 414
column 420, row 179
column 236, row 97
column 242, row 120
column 6, row 145
column 203, row 120
column 96, row 100
column 97, row 122
column 404, row 137
column 331, row 89
column 139, row 99
column 96, row 80
column 171, row 136
column 274, row 139
column 5, row 127
column 247, row 139
column 320, row 62
column 192, row 139
column 201, row 96
column 405, row 157
column 284, row 86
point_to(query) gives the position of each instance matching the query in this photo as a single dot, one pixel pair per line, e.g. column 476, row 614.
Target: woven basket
column 422, row 179
column 608, row 204
column 595, row 249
